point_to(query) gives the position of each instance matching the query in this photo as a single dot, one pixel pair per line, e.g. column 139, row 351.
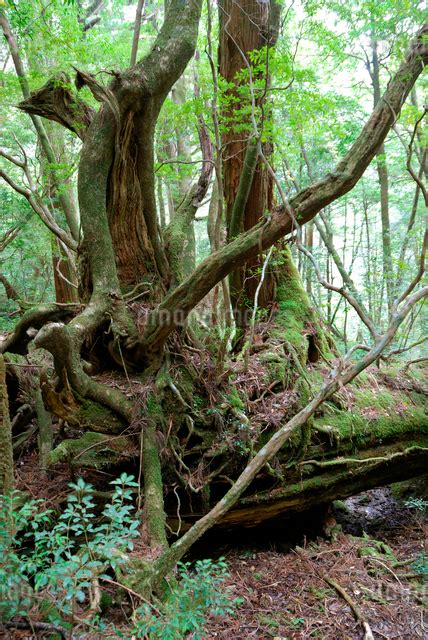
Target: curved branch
column 173, row 47
column 33, row 320
column 419, row 274
column 9, row 236
column 396, row 352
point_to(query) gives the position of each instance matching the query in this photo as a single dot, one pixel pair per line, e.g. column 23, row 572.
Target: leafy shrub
column 59, row 560
column 185, row 611
column 62, row 559
column 15, row 589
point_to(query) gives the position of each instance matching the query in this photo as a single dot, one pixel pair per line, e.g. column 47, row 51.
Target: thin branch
column 255, row 306
column 203, row 161
column 409, row 148
column 396, row 352
column 39, row 207
column 412, row 219
column 419, row 274
column 417, row 360
column 137, row 29
column 9, row 236
column 368, row 635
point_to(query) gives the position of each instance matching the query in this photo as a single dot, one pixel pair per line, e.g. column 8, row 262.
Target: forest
column 213, row 319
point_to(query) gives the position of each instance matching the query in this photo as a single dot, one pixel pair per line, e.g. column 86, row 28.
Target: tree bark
column 248, row 188
column 7, row 482
column 127, row 120
column 382, row 171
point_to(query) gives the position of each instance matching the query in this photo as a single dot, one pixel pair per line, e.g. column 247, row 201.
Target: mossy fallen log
column 380, row 439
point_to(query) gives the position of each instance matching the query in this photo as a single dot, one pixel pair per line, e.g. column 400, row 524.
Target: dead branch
column 368, row 635
column 55, row 101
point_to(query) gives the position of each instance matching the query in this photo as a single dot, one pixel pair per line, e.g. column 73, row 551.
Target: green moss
column 277, row 366
column 375, row 400
column 91, row 450
column 359, row 429
column 340, row 506
column 414, row 488
column 362, row 379
column 154, row 514
column 153, row 407
column 98, row 418
column 233, row 399
column 185, row 383
column 295, row 316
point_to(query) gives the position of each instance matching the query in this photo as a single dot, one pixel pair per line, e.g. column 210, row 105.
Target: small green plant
column 419, row 504
column 186, row 608
column 15, row 589
column 297, row 622
column 268, row 621
column 420, row 565
column 66, row 559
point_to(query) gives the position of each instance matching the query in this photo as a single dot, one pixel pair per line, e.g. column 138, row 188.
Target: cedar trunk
column 245, row 27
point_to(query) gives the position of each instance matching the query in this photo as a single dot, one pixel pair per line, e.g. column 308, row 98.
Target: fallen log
column 350, row 449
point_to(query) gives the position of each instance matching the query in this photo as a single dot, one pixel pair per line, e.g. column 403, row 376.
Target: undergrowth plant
column 63, row 560
column 58, row 563
column 184, row 612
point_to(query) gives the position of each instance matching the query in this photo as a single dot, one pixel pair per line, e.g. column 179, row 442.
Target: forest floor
column 290, row 596
column 377, row 558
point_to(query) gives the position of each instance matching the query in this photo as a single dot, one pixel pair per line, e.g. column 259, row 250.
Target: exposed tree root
column 63, row 342
column 44, row 627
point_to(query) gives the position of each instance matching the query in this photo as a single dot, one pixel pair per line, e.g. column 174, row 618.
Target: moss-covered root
column 6, row 457
column 93, row 450
column 45, row 434
column 141, row 574
column 154, row 514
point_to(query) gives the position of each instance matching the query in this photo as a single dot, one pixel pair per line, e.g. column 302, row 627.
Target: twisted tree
column 122, row 250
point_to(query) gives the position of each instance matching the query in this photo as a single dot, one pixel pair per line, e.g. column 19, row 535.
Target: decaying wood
column 55, row 101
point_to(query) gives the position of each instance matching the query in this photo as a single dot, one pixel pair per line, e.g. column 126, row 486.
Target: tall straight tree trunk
column 382, row 171
column 245, row 26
